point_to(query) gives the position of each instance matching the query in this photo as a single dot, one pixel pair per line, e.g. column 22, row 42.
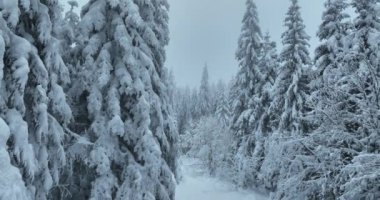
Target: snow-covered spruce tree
column 329, row 58
column 360, row 84
column 247, row 85
column 194, row 103
column 223, row 109
column 315, row 159
column 289, row 95
column 204, row 99
column 287, row 107
column 36, row 109
column 182, row 104
column 12, row 187
column 213, row 98
column 332, row 32
column 357, row 100
column 269, row 68
column 164, row 128
column 134, row 153
column 262, row 100
column 349, row 106
column 320, row 153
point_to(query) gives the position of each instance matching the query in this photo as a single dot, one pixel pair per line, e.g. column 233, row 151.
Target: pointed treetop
column 295, row 39
column 205, row 77
column 251, row 18
column 250, row 38
column 333, row 19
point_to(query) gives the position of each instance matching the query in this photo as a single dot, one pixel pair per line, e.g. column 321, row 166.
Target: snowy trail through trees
column 197, row 186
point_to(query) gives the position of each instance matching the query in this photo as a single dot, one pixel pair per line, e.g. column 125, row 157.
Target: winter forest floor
column 197, row 185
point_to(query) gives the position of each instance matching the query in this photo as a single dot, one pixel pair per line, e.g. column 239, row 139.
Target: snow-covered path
column 196, row 186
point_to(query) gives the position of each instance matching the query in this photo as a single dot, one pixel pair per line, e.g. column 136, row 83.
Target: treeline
column 85, row 111
column 296, row 127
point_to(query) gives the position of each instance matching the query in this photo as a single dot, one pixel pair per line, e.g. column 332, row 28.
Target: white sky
column 207, row 31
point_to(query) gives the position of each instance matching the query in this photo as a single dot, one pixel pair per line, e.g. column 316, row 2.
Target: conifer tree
column 247, row 85
column 329, row 57
column 131, row 125
column 287, row 108
column 314, row 156
column 289, row 94
column 249, row 47
column 223, row 111
column 360, row 83
column 36, row 109
column 356, row 103
column 12, row 186
column 269, row 68
column 204, row 98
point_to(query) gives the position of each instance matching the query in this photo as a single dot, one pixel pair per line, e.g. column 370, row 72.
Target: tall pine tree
column 247, row 85
column 289, row 94
column 34, row 102
column 287, row 107
column 204, row 99
column 131, row 127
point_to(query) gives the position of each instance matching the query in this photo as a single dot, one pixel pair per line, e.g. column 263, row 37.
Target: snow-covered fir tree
column 329, row 56
column 131, row 127
column 248, row 85
column 34, row 102
column 287, row 108
column 313, row 160
column 351, row 129
column 204, row 99
column 360, row 84
column 262, row 100
column 88, row 110
column 12, row 186
column 269, row 68
column 289, row 94
column 223, row 108
column 249, row 47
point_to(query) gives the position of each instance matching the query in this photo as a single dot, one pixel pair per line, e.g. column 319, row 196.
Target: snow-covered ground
column 195, row 185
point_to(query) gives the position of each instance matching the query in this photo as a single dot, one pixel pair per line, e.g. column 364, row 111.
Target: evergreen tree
column 194, row 104
column 131, row 126
column 287, row 108
column 249, row 47
column 329, row 57
column 355, row 104
column 35, row 106
column 289, row 94
column 314, row 157
column 248, row 84
column 12, row 186
column 269, row 69
column 204, row 100
column 360, row 84
column 223, row 112
column 262, row 100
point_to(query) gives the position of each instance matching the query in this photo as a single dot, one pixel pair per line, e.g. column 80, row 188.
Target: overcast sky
column 206, row 31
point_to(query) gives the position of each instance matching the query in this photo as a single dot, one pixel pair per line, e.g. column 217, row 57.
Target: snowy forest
column 89, row 109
